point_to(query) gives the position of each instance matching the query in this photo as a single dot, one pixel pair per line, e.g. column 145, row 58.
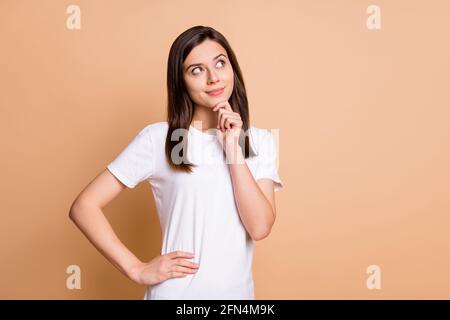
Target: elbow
column 263, row 230
column 260, row 234
column 72, row 213
column 79, row 209
column 74, row 209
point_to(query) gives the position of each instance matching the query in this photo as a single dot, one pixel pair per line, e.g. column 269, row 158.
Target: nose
column 212, row 77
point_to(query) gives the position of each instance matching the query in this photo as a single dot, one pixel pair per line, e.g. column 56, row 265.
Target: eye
column 193, row 70
column 222, row 63
column 198, row 70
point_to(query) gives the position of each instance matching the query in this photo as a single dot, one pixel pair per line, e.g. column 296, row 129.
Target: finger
column 237, row 122
column 223, row 105
column 221, row 110
column 229, row 122
column 231, row 113
column 176, row 268
column 225, row 122
column 222, row 113
column 180, row 254
column 227, row 119
column 185, row 263
column 232, row 123
column 219, row 105
column 174, row 274
column 228, row 106
column 219, row 117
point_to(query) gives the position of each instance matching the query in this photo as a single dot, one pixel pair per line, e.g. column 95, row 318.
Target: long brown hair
column 180, row 107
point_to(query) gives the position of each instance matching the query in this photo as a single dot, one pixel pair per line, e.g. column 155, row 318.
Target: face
column 205, row 70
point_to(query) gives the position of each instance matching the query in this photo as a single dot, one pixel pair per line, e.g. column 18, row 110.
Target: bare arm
column 86, row 212
column 255, row 200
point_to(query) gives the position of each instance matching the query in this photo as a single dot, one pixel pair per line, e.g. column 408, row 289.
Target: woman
column 213, row 177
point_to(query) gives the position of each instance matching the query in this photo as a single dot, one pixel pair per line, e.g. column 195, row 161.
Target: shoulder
column 259, row 132
column 260, row 137
column 155, row 129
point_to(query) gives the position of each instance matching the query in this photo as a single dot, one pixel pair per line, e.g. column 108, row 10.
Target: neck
column 206, row 118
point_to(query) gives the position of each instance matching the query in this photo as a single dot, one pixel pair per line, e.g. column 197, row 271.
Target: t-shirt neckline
column 202, row 134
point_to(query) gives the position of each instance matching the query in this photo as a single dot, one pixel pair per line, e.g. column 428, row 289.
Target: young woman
column 213, row 177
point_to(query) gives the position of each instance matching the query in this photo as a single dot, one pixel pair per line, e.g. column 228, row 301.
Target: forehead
column 204, row 52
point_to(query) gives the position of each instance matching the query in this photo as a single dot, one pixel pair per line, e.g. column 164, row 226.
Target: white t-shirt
column 197, row 211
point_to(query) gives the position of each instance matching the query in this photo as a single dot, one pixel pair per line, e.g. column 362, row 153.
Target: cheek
column 193, row 87
column 228, row 75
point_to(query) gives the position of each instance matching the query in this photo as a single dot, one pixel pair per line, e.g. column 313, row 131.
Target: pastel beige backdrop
column 364, row 139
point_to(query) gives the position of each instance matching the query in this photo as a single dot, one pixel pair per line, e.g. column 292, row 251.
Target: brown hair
column 180, row 107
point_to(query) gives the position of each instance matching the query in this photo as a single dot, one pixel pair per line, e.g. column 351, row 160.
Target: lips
column 215, row 92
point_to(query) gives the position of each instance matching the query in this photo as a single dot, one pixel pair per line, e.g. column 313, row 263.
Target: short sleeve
column 267, row 160
column 135, row 163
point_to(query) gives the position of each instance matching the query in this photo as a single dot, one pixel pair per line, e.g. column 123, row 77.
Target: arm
column 255, row 200
column 86, row 212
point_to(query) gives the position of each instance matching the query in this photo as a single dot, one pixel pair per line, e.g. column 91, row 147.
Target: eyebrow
column 199, row 64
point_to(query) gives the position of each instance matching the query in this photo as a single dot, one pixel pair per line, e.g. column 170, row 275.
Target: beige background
column 364, row 139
